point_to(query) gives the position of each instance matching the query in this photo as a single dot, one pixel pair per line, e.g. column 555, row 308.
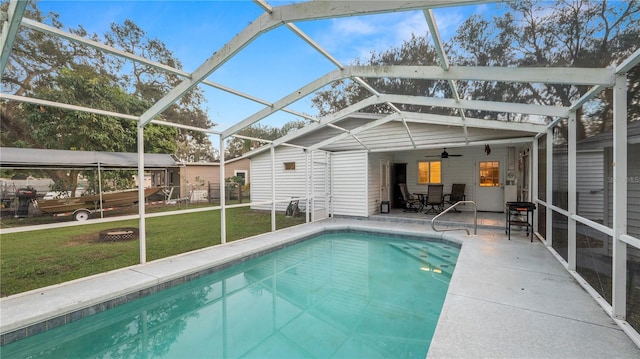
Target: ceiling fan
column 445, row 154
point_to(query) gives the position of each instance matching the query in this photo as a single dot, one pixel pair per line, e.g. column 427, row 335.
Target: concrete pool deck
column 507, row 299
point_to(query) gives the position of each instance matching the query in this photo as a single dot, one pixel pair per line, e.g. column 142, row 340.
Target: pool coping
column 35, row 311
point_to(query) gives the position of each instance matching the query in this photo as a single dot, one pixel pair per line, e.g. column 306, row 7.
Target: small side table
column 519, row 214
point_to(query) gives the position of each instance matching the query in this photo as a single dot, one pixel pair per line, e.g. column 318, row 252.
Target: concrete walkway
column 513, row 299
column 507, row 299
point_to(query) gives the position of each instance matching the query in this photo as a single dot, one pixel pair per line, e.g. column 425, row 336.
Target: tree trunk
column 68, row 180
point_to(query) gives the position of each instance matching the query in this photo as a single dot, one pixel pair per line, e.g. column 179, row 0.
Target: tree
column 56, row 128
column 152, row 84
column 37, row 59
column 633, row 94
column 236, row 147
column 193, row 151
column 416, row 51
column 577, row 33
column 483, row 42
column 566, row 33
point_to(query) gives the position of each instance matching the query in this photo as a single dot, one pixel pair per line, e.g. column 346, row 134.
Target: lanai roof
column 347, row 129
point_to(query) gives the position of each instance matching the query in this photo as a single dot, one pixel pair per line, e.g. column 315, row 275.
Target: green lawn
column 36, row 259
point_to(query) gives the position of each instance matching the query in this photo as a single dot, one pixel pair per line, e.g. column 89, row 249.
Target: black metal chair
column 435, row 198
column 456, row 195
column 411, row 203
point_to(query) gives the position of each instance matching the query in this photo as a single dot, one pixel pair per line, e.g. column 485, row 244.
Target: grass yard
column 31, row 260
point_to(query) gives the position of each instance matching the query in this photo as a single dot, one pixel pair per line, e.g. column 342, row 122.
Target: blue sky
column 274, row 65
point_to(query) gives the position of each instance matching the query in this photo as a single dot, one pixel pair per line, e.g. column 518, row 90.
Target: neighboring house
column 201, row 181
column 595, row 178
column 594, row 190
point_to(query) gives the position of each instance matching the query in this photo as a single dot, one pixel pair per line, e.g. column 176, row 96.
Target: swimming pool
column 337, row 295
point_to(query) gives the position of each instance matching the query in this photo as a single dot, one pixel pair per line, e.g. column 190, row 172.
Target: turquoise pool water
column 339, row 295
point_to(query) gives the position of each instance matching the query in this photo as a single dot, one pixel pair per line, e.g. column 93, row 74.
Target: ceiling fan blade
column 443, row 155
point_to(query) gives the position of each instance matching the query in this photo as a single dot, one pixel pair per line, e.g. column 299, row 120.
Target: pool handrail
column 475, row 219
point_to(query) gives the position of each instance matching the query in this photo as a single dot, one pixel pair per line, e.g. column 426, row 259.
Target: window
column 289, row 166
column 429, row 172
column 242, row 175
column 489, row 174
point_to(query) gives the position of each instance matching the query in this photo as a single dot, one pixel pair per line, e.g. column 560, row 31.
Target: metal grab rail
column 475, row 219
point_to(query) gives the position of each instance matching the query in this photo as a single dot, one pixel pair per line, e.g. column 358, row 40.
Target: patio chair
column 435, row 198
column 411, row 202
column 456, row 195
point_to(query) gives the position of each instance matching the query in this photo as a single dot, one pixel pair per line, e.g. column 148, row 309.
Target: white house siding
column 560, row 168
column 590, row 184
column 350, row 183
column 462, row 170
column 454, row 170
column 593, row 183
column 288, row 183
column 633, row 190
column 594, row 190
column 633, row 195
column 373, row 202
column 321, row 185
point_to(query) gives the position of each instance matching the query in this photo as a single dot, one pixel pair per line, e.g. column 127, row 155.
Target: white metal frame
column 598, row 79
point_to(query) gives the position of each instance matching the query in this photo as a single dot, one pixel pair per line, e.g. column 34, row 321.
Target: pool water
column 339, row 295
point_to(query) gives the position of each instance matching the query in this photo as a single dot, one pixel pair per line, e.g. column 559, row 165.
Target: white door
column 384, row 180
column 320, row 186
column 489, row 188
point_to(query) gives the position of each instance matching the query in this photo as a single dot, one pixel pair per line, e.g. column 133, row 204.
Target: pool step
column 444, row 250
column 431, row 251
column 436, row 262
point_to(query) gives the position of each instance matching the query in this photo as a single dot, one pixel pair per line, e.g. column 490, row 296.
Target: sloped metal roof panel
column 43, row 158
